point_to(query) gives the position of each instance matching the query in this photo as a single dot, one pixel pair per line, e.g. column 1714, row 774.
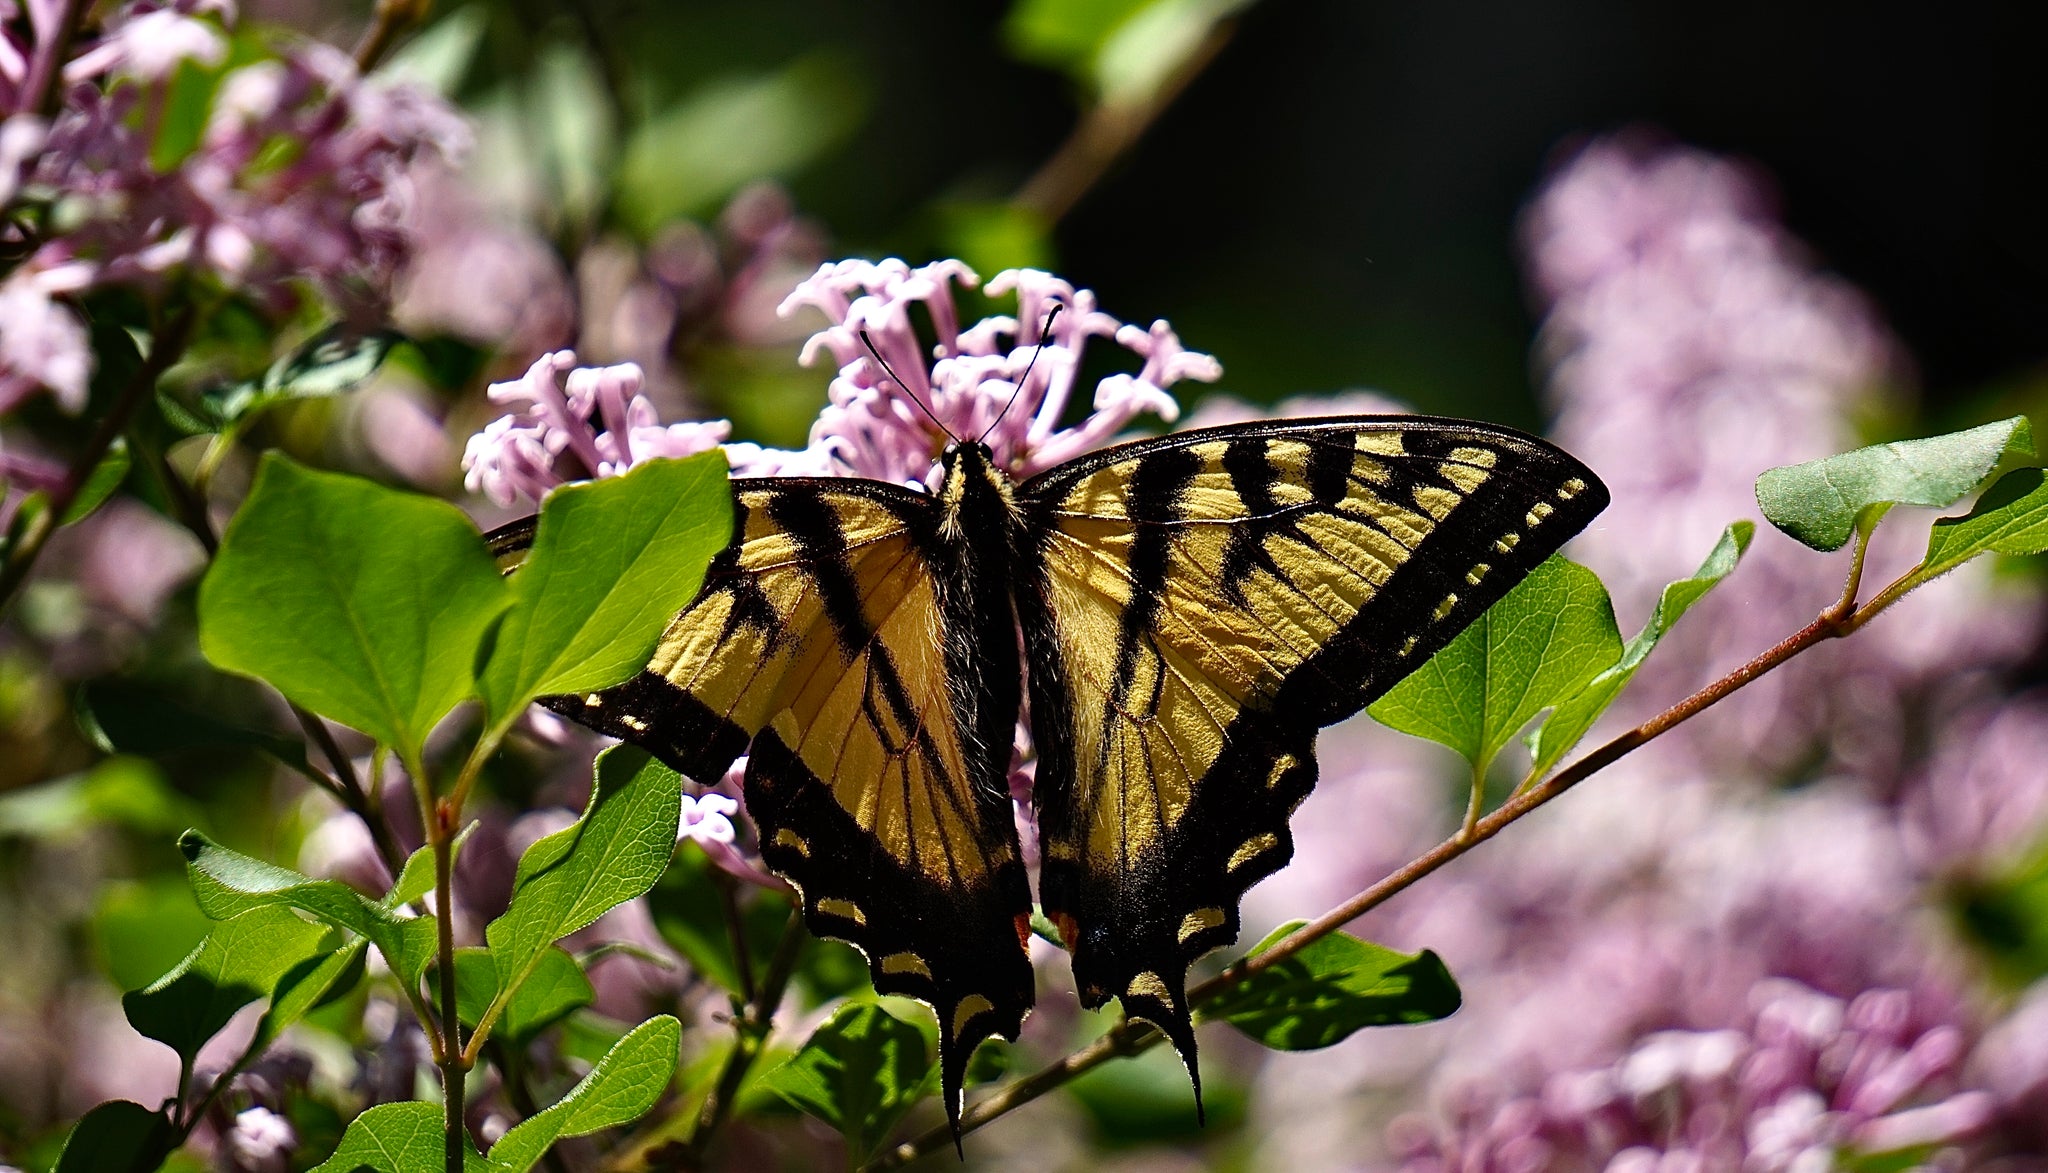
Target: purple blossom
column 260, row 1142
column 299, row 180
column 873, row 427
column 1809, row 1082
column 594, row 424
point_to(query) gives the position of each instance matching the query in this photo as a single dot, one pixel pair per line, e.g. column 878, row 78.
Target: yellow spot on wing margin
column 843, row 909
column 906, row 963
column 1281, row 765
column 964, row 1013
column 788, row 838
column 1149, row 985
column 1252, row 849
column 1199, row 920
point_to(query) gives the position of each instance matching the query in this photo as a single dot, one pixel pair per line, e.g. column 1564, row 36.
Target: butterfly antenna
column 891, row 372
column 1017, row 390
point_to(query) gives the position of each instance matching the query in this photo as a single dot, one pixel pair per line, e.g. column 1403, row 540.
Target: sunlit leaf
column 612, row 561
column 227, row 883
column 556, row 987
column 860, row 1072
column 397, row 1138
column 2011, row 518
column 1332, row 988
column 106, row 477
column 615, row 852
column 688, row 158
column 1576, row 714
column 1537, row 646
column 336, row 360
column 1822, row 502
column 359, row 602
column 239, row 962
column 619, row 1090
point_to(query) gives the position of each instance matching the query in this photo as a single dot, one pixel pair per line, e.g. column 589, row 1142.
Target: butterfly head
column 974, row 487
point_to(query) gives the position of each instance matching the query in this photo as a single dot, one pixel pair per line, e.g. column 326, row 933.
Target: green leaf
column 359, row 602
column 439, row 57
column 1124, row 50
column 145, row 927
column 730, row 131
column 416, row 877
column 1576, row 714
column 227, row 883
column 397, row 1138
column 556, row 987
column 612, row 562
column 2011, row 518
column 1535, row 647
column 106, row 477
column 336, row 360
column 616, row 851
column 122, row 717
column 238, row 963
column 689, row 913
column 619, row 1090
column 306, row 987
column 119, row 1136
column 1332, row 988
column 1820, row 503
column 860, row 1072
column 120, row 792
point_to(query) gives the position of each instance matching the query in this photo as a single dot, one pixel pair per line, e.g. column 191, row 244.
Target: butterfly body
column 1190, row 611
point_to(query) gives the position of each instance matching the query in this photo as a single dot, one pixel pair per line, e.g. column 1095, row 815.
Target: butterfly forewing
column 1196, row 607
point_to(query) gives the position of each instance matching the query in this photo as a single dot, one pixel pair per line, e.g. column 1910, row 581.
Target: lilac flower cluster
column 1007, row 377
column 1807, row 1082
column 298, row 175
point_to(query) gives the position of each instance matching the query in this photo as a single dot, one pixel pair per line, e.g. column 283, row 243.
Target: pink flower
column 597, row 425
column 42, row 343
column 998, row 376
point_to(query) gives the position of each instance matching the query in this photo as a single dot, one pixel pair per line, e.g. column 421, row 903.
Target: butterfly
column 1182, row 615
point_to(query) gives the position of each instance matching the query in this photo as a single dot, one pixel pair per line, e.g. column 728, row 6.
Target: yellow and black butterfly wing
column 1197, row 607
column 818, row 646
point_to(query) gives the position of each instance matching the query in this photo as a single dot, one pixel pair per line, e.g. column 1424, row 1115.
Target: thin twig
column 1105, row 132
column 390, row 20
column 658, row 1147
column 752, row 1031
column 1129, row 1037
column 736, row 931
column 42, row 91
column 454, row 1062
column 164, row 350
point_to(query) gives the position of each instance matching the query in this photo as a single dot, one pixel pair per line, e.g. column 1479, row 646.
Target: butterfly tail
column 1163, row 1002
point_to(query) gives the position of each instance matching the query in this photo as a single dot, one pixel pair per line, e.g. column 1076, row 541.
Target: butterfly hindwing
column 1197, row 607
column 873, row 780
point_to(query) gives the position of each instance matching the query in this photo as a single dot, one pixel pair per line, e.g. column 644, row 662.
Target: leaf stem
column 455, row 1060
column 164, row 350
column 751, row 1031
column 655, row 1148
column 1129, row 1037
column 1107, row 130
column 391, row 18
column 736, row 931
column 1477, row 801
